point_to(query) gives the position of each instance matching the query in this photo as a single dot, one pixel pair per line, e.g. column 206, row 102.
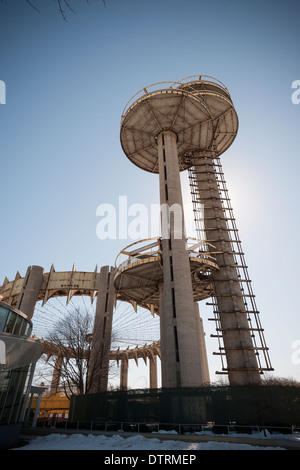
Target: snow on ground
column 137, row 442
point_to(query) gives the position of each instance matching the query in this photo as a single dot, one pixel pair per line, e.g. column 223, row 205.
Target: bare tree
column 63, row 6
column 270, row 380
column 67, row 4
column 68, row 354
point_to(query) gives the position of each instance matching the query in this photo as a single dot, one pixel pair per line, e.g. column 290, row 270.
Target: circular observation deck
column 198, row 109
column 139, row 272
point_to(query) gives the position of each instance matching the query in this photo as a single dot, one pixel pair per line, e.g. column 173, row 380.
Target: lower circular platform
column 138, row 277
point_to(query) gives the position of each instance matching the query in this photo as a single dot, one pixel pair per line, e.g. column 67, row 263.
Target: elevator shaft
column 236, row 333
column 179, row 322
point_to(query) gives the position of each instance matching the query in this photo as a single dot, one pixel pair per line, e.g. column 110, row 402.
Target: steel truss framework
column 68, row 284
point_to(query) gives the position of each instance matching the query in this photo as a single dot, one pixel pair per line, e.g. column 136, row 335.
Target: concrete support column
column 124, row 374
column 56, row 375
column 203, row 352
column 153, row 371
column 37, row 410
column 101, row 343
column 240, row 356
column 163, row 343
column 39, row 391
column 179, row 336
column 30, row 290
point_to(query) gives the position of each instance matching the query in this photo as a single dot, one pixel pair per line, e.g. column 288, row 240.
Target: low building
column 19, row 353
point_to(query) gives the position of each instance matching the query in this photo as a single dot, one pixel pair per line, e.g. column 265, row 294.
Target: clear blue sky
column 66, row 86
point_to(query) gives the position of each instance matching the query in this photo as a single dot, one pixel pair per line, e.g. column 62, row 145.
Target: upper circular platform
column 198, row 109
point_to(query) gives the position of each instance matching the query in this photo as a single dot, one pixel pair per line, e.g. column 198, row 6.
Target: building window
column 9, row 328
column 3, row 317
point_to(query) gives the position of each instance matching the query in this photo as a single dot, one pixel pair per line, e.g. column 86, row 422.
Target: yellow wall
column 55, row 403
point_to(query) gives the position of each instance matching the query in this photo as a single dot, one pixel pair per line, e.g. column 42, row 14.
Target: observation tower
column 166, row 128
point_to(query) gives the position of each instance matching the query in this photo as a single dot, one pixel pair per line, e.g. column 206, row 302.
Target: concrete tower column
column 124, row 374
column 203, row 352
column 101, row 343
column 163, row 343
column 240, row 355
column 153, row 371
column 179, row 336
column 30, row 290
